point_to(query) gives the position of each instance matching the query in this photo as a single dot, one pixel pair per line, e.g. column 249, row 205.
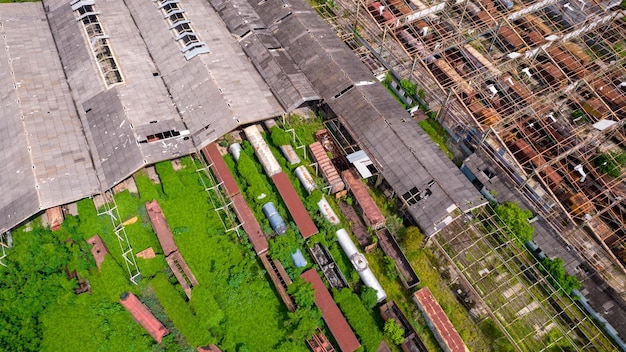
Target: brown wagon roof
column 99, row 249
column 299, row 214
column 370, row 210
column 328, row 169
column 440, row 322
column 250, row 224
column 220, row 168
column 159, row 224
column 335, row 321
column 143, row 316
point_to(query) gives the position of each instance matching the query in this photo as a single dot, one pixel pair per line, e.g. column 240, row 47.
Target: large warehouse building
column 100, row 89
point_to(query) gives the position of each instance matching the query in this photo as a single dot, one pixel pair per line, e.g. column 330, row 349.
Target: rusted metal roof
column 143, row 316
column 99, row 249
column 326, row 166
column 220, row 169
column 250, row 224
column 446, row 334
column 160, row 227
column 331, row 314
column 371, row 214
column 299, row 214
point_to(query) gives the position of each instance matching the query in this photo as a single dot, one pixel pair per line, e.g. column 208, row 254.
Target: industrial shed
column 117, row 92
column 142, row 95
column 429, row 184
column 45, row 158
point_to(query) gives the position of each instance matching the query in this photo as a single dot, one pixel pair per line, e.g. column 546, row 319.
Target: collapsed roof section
column 45, row 158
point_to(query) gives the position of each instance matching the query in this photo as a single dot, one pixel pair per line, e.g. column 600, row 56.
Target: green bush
column 280, row 137
column 558, row 276
column 193, row 327
column 359, row 318
column 394, row 331
column 369, row 297
column 516, row 221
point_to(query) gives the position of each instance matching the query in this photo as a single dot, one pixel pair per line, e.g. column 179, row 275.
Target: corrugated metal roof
column 398, row 147
column 45, row 158
column 373, row 216
column 299, row 214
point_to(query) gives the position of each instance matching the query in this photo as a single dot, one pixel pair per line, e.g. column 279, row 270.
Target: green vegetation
column 359, row 318
column 500, row 343
column 394, row 331
column 516, row 221
column 558, row 278
column 307, row 317
column 438, row 134
column 44, row 314
column 255, row 186
column 611, row 163
column 280, row 137
column 369, row 297
column 518, row 228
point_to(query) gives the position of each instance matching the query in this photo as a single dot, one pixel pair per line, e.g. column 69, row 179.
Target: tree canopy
column 394, row 331
column 516, row 221
column 280, row 137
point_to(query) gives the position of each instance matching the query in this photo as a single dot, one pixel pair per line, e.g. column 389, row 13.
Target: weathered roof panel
column 45, row 156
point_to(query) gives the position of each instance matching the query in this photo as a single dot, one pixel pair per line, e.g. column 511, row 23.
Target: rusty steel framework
column 539, row 87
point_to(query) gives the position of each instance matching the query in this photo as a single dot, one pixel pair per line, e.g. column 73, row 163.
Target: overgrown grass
column 234, row 305
column 438, row 134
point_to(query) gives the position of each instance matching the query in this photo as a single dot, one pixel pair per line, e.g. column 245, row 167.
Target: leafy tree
column 390, row 268
column 395, row 226
column 516, row 221
column 408, row 87
column 33, row 279
column 369, row 297
column 303, row 322
column 611, row 163
column 394, row 331
column 558, row 275
column 282, row 246
column 280, row 137
column 302, row 292
column 312, row 199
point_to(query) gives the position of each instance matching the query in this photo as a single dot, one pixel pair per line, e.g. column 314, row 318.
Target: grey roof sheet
column 315, row 47
column 117, row 117
column 403, row 152
column 238, row 16
column 45, row 156
column 208, row 88
column 115, row 150
column 288, row 83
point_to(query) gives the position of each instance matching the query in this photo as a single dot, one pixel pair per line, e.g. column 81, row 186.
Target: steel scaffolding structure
column 536, row 86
